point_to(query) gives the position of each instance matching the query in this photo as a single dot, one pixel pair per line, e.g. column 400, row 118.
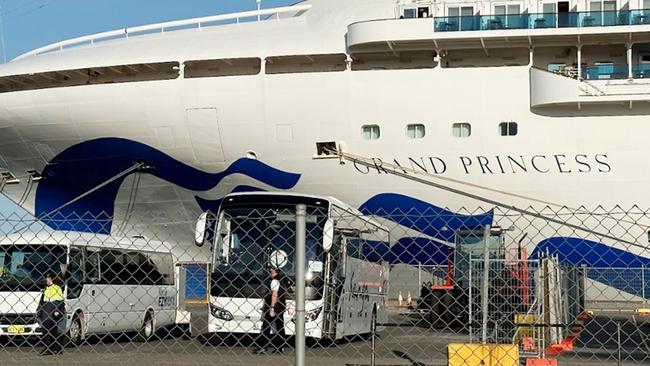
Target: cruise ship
column 151, row 125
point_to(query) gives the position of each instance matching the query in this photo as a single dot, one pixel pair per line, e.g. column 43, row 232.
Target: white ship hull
column 194, row 134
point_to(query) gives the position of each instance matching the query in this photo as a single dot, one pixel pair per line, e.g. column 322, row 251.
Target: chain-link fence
column 390, row 287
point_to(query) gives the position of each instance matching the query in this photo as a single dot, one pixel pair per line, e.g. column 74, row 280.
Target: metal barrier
column 382, row 286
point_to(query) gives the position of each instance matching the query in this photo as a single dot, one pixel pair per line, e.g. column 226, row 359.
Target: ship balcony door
column 563, row 18
column 205, row 135
column 461, row 18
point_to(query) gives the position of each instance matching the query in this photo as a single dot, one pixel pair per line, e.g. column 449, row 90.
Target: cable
column 27, row 11
column 382, row 164
column 26, row 192
column 371, row 163
column 135, row 185
column 124, row 173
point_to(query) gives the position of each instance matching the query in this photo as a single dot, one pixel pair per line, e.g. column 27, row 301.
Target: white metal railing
column 126, row 32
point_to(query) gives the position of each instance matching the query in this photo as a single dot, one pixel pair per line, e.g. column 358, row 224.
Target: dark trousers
column 51, row 337
column 272, row 332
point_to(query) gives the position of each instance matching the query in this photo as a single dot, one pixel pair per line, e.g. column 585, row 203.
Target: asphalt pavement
column 403, row 341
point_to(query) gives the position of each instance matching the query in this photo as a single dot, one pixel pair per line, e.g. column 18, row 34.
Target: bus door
column 337, row 288
column 333, row 289
column 74, row 280
column 94, row 313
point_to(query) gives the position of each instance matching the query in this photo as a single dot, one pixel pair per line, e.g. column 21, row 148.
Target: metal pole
column 259, row 7
column 486, row 281
column 2, row 38
column 630, row 75
column 618, row 342
column 579, row 62
column 301, row 229
column 643, row 284
column 471, row 302
column 373, row 330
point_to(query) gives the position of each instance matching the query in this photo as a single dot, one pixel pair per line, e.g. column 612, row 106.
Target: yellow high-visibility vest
column 53, row 293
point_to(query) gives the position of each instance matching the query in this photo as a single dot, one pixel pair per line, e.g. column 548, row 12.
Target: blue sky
column 29, row 24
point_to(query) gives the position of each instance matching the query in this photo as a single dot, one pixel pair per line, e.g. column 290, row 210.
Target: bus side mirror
column 200, row 229
column 328, row 235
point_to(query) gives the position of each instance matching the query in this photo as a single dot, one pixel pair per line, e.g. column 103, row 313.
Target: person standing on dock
column 51, row 311
column 272, row 333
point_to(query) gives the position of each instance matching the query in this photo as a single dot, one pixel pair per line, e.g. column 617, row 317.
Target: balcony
column 615, row 71
column 551, row 89
column 519, row 30
column 542, row 20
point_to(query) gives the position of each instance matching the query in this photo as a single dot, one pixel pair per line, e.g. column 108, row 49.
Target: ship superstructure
column 542, row 99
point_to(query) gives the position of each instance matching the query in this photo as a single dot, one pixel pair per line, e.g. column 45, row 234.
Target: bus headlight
column 221, row 313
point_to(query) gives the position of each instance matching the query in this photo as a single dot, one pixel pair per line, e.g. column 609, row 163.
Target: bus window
column 74, row 273
column 92, row 267
column 134, row 272
column 112, row 265
column 162, row 269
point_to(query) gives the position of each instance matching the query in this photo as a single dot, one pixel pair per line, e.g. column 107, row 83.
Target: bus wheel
column 75, row 331
column 147, row 330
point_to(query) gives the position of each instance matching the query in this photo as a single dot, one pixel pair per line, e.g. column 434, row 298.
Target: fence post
column 643, row 284
column 470, row 315
column 301, row 229
column 486, row 281
column 618, row 342
column 419, row 274
column 373, row 340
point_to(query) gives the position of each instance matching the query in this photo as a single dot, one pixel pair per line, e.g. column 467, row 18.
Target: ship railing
column 240, row 17
column 542, row 20
column 605, row 71
column 590, row 89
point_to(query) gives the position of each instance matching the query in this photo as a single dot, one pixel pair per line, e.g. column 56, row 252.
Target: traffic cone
column 409, row 300
column 400, row 299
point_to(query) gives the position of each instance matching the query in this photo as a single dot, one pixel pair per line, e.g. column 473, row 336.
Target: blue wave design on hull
column 411, row 251
column 428, row 219
column 84, row 166
column 611, row 266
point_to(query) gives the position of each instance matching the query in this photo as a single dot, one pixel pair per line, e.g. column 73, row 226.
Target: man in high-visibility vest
column 50, row 312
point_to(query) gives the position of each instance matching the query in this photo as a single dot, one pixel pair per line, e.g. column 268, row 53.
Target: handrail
column 125, row 32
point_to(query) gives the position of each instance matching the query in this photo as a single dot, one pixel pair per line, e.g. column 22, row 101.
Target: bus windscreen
column 23, row 267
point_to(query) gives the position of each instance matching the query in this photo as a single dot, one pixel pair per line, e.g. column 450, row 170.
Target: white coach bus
column 110, row 285
column 345, row 288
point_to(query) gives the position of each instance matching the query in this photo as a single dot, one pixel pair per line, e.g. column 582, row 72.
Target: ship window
column 90, row 76
column 306, row 63
column 410, row 13
column 223, row 67
column 370, row 132
column 508, row 128
column 462, row 129
column 415, row 131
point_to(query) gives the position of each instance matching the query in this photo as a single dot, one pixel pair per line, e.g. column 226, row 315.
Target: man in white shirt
column 273, row 336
